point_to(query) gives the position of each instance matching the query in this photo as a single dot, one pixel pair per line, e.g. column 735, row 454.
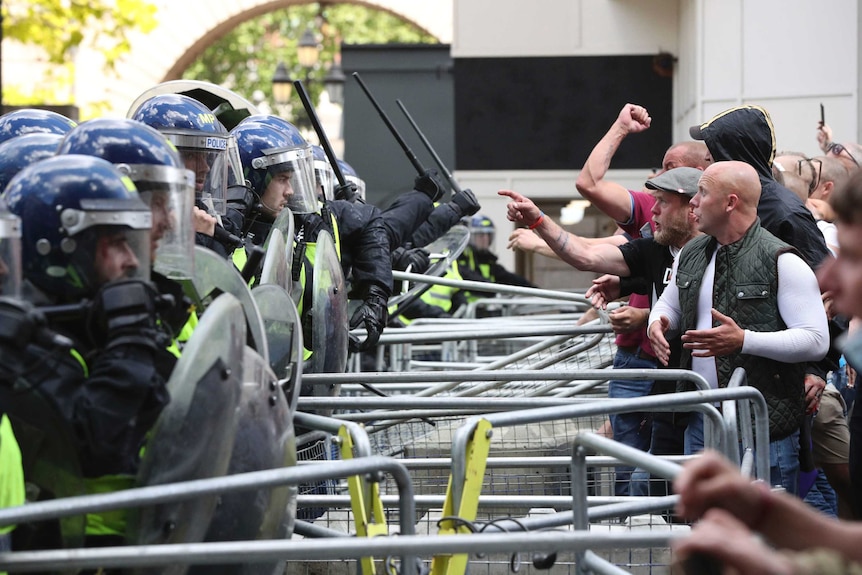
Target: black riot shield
column 284, row 336
column 229, row 107
column 329, row 310
column 278, row 259
column 443, row 251
column 214, row 276
column 194, row 435
column 264, row 440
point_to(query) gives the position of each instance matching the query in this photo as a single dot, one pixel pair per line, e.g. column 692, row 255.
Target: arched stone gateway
column 185, row 29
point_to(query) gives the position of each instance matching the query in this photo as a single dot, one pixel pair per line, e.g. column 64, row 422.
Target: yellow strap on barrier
column 368, row 514
column 478, row 448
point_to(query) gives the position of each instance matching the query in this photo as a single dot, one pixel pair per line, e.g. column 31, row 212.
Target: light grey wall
column 786, row 55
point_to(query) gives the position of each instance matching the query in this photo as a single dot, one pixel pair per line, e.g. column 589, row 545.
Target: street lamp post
column 282, row 85
column 308, row 54
column 334, row 83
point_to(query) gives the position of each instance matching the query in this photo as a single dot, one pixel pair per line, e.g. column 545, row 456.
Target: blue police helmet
column 66, row 205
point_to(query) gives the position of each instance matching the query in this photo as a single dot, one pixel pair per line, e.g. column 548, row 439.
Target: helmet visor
column 170, row 194
column 10, row 255
column 120, row 253
column 482, row 238
column 299, row 163
column 325, row 179
column 210, row 158
column 114, row 239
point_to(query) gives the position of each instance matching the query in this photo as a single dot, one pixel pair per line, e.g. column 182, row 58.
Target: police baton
column 455, row 187
column 410, row 155
column 321, row 135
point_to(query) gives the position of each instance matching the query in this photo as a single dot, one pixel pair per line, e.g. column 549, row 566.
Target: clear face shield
column 10, row 254
column 112, row 237
column 301, row 197
column 214, row 160
column 360, row 186
column 170, row 194
column 482, row 239
column 325, row 179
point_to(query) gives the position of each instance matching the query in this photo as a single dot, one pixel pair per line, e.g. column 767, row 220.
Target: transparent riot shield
column 443, row 251
column 284, row 337
column 214, row 276
column 278, row 260
column 264, row 440
column 329, row 310
column 194, row 435
column 229, row 107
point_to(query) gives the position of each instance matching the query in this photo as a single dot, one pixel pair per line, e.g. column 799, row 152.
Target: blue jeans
column 784, row 463
column 632, row 429
column 821, row 496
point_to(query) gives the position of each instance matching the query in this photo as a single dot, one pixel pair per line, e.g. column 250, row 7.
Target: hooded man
column 746, row 134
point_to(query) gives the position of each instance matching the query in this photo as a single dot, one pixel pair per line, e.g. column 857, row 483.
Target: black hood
column 744, row 133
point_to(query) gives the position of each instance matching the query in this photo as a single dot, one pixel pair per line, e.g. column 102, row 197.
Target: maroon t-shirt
column 642, row 203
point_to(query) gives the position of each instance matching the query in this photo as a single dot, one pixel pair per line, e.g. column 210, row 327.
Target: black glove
column 123, row 312
column 22, row 324
column 373, row 314
column 429, row 184
column 416, row 258
column 465, row 202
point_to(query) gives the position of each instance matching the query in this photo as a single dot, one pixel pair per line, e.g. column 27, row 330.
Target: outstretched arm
column 572, row 249
column 525, row 240
column 711, row 481
column 610, row 197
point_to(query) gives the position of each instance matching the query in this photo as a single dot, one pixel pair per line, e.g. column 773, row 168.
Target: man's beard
column 674, row 233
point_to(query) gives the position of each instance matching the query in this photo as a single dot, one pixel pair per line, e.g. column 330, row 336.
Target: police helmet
column 266, row 152
column 30, row 120
column 83, row 225
column 351, row 177
column 154, row 165
column 21, row 151
column 204, row 144
column 228, row 106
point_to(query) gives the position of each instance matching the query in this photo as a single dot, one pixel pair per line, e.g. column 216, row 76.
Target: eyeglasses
column 837, row 149
column 816, row 169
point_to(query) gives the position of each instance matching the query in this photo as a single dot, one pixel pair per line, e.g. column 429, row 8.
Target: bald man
column 741, row 297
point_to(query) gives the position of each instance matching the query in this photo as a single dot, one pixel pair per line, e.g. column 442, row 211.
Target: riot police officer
column 148, row 159
column 85, row 259
column 11, row 472
column 479, row 263
column 207, row 149
column 269, row 146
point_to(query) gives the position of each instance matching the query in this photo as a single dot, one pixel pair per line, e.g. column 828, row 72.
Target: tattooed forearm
column 563, row 240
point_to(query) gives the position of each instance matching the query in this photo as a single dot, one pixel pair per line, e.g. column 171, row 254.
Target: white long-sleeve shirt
column 805, row 339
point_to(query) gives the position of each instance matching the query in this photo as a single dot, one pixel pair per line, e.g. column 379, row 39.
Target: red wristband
column 537, row 222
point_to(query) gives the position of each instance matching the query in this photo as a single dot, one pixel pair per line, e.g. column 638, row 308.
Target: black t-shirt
column 652, row 263
column 649, row 260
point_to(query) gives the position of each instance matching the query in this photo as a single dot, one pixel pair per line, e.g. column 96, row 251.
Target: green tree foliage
column 60, row 26
column 244, row 60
